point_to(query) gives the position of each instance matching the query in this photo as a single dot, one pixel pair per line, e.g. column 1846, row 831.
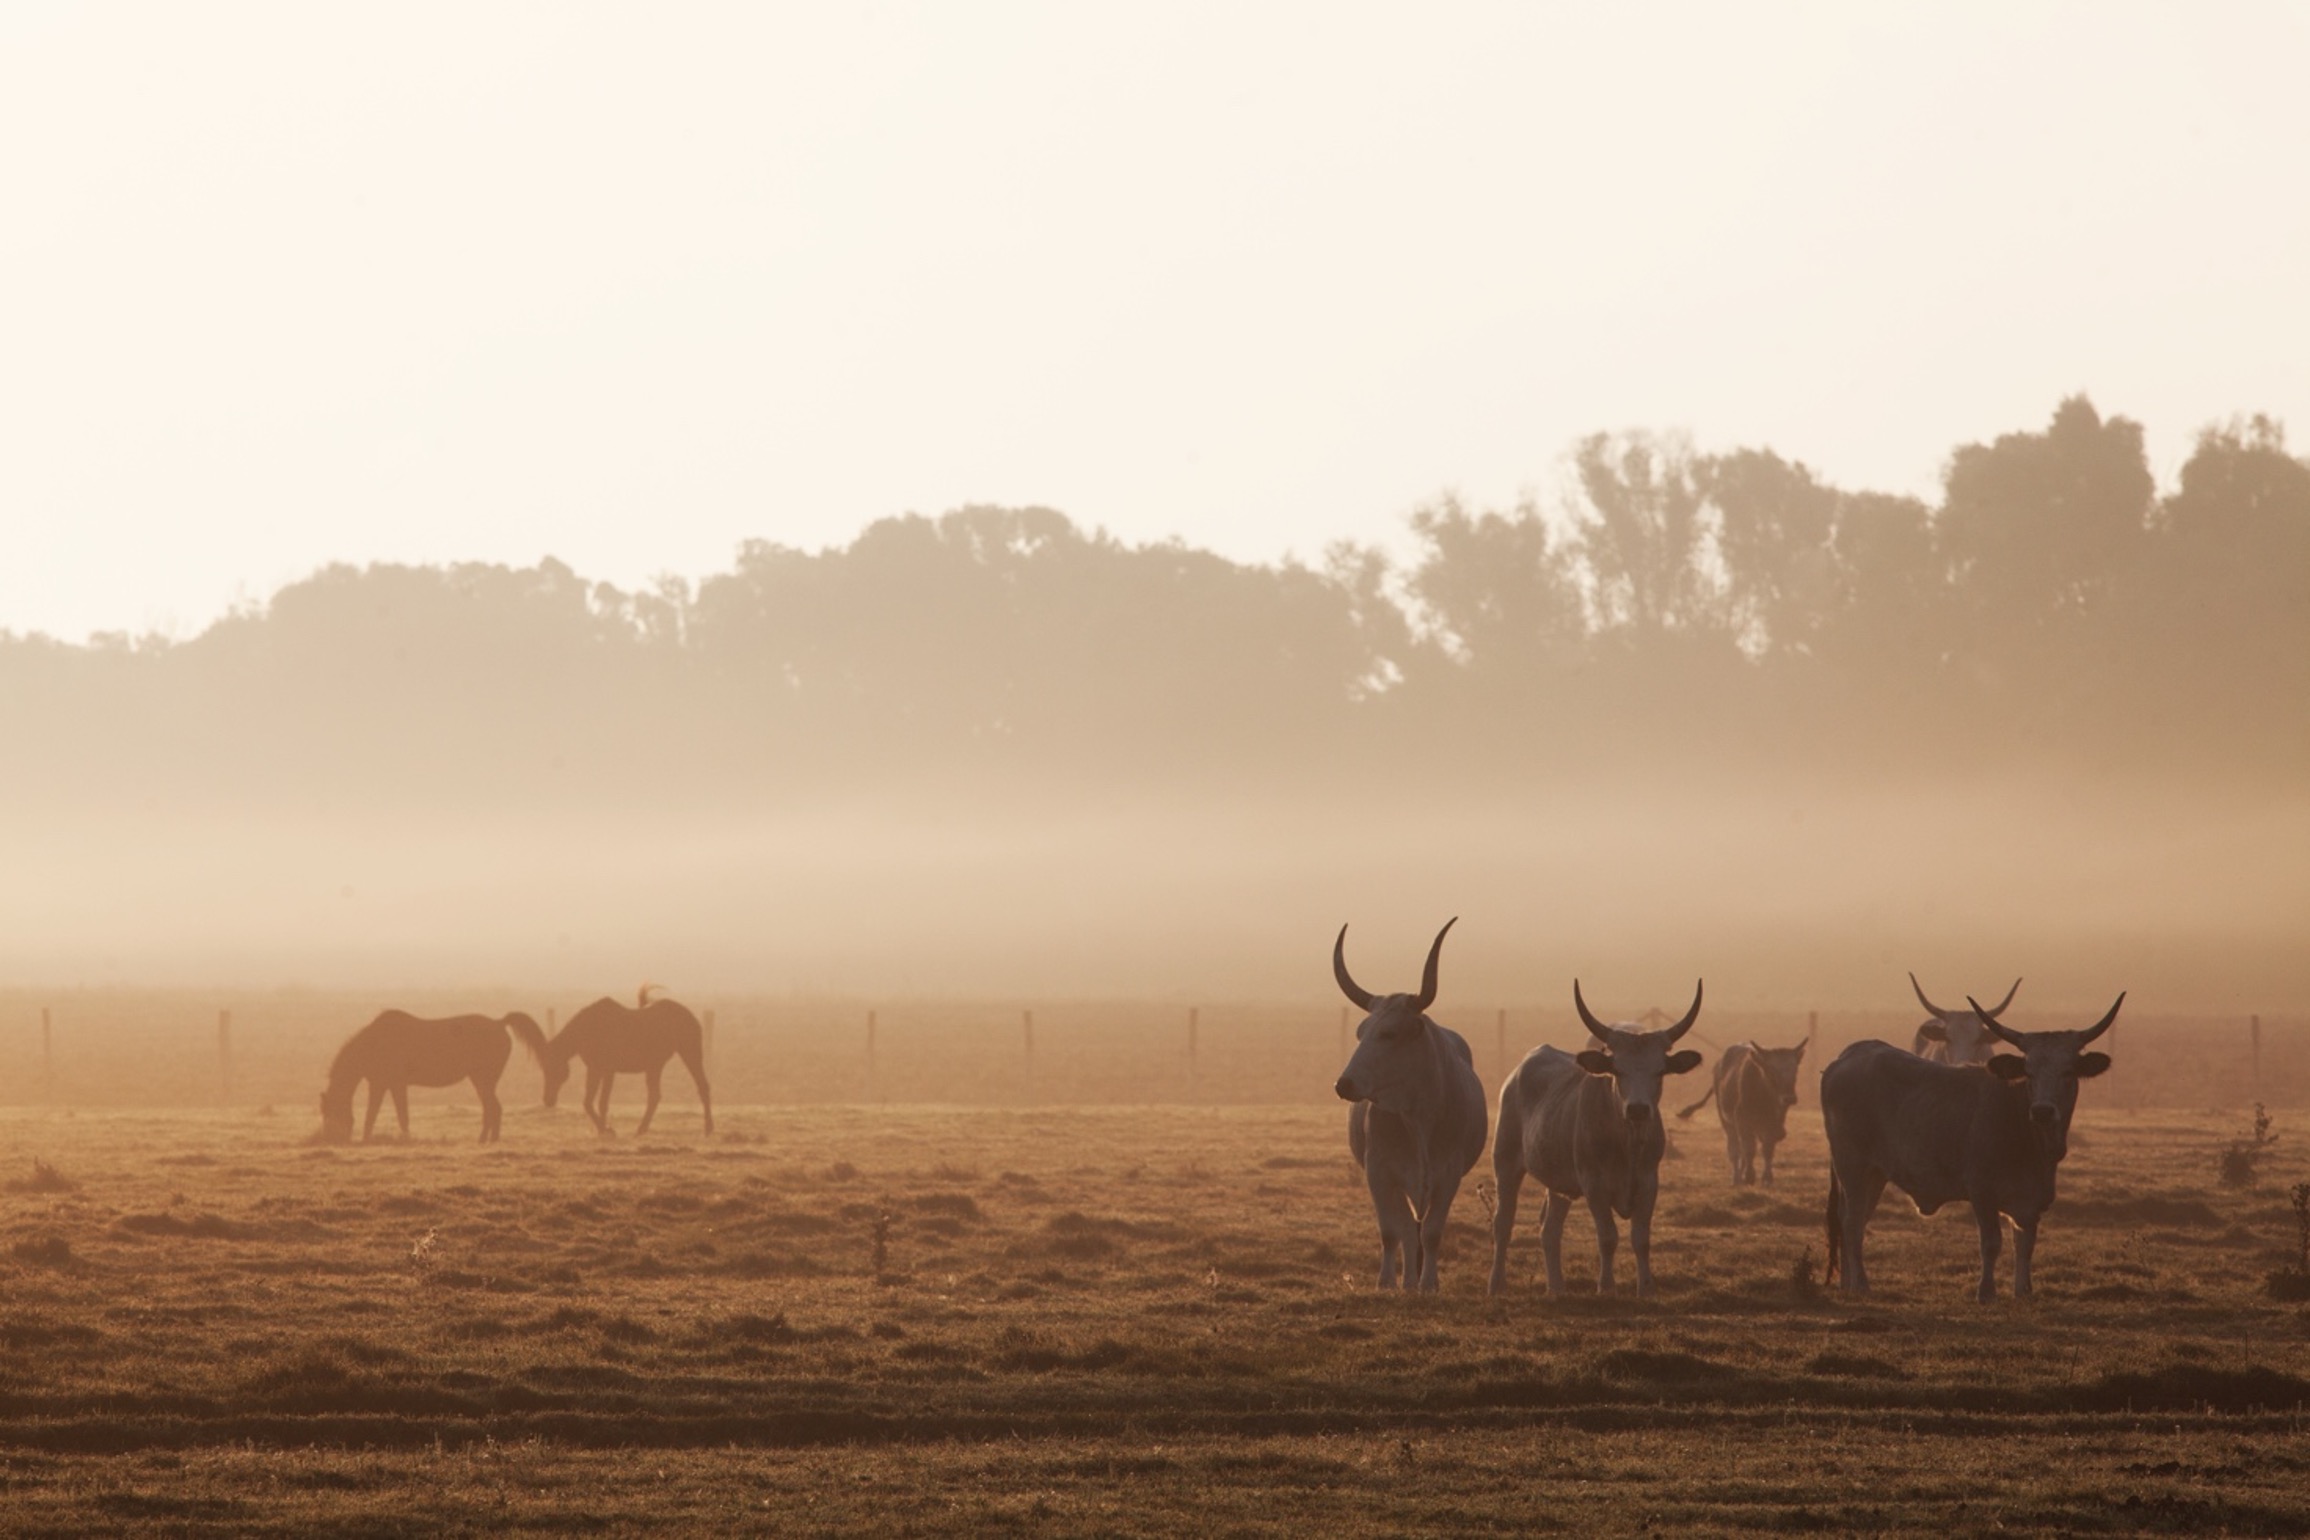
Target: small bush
column 2241, row 1163
column 2292, row 1284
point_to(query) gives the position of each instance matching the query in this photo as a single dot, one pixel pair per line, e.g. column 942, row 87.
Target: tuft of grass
column 2241, row 1164
column 44, row 1178
column 1804, row 1286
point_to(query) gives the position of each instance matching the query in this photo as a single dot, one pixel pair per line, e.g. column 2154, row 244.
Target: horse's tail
column 642, row 995
column 1687, row 1113
column 527, row 1033
column 1836, row 1235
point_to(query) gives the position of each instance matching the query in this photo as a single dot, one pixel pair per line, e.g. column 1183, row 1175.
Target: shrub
column 2241, row 1163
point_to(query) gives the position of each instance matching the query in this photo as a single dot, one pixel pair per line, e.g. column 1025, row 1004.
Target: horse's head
column 556, row 1075
column 337, row 1117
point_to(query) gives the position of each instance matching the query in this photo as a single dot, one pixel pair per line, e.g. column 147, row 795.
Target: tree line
column 1674, row 609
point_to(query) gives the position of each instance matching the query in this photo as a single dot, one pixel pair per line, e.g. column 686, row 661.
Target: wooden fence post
column 225, row 1052
column 1027, row 1023
column 1194, row 1023
column 2254, row 1032
column 1500, row 1032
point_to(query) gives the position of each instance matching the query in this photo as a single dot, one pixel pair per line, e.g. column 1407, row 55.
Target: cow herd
column 1950, row 1118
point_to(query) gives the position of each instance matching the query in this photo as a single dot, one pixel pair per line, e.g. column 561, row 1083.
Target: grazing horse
column 614, row 1039
column 398, row 1050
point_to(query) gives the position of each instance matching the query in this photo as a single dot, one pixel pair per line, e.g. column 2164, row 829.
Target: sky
column 288, row 285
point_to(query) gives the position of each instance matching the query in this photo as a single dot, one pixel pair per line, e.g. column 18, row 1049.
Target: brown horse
column 616, row 1039
column 398, row 1050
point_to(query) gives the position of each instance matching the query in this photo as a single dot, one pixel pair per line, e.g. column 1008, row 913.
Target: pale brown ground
column 1090, row 1321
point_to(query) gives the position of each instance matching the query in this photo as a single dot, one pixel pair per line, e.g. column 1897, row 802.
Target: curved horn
column 1428, row 974
column 2103, row 1025
column 1360, row 999
column 2001, row 1005
column 1997, row 1029
column 1937, row 1011
column 1691, row 1016
column 1596, row 1029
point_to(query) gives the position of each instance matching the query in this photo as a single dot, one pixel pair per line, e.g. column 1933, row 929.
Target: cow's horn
column 1428, row 974
column 1937, row 1011
column 1997, row 1028
column 1596, row 1029
column 2002, row 1004
column 1347, row 986
column 1691, row 1016
column 2103, row 1025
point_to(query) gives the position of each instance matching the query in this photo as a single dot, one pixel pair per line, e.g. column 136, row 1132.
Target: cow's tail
column 1836, row 1236
column 1687, row 1113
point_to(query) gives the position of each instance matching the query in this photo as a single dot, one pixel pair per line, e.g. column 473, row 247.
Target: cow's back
column 1548, row 1090
column 1910, row 1118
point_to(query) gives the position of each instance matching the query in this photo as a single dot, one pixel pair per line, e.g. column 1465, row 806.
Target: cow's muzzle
column 1639, row 1113
column 2042, row 1115
column 1347, row 1090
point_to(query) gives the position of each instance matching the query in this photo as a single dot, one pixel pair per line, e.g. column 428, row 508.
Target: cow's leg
column 1640, row 1233
column 1607, row 1240
column 1991, row 1224
column 401, row 1108
column 1768, row 1145
column 1508, row 1178
column 1392, row 1206
column 650, row 1080
column 376, row 1100
column 1732, row 1152
column 2024, row 1245
column 1862, row 1190
column 1431, row 1232
column 696, row 1064
column 1553, row 1213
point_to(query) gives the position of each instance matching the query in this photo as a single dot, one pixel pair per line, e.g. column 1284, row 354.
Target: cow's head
column 1780, row 1067
column 1966, row 1033
column 1637, row 1061
column 2049, row 1067
column 1392, row 1044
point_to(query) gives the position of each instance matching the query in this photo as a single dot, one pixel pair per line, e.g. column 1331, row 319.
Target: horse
column 614, row 1039
column 398, row 1050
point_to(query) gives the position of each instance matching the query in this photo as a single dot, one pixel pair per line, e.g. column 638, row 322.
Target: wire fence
column 122, row 1048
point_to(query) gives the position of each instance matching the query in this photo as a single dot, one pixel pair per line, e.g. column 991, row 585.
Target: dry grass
column 1087, row 1321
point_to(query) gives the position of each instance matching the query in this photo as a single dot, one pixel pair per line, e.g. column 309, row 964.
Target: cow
column 1587, row 1125
column 1417, row 1125
column 1992, row 1134
column 1956, row 1037
column 1754, row 1087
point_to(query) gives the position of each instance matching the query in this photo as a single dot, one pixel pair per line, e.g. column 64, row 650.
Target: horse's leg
column 376, row 1100
column 602, row 1113
column 650, row 1079
column 697, row 1068
column 492, row 1110
column 401, row 1108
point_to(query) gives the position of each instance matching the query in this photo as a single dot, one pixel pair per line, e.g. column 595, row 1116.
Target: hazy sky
column 627, row 285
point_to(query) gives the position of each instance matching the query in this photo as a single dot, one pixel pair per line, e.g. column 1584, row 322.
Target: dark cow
column 1417, row 1125
column 1957, row 1037
column 1587, row 1125
column 1754, row 1088
column 1992, row 1135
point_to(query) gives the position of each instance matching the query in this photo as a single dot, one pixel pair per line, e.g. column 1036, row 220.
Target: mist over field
column 1701, row 715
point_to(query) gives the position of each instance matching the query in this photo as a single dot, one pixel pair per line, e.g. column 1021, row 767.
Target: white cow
column 1418, row 1122
column 1957, row 1037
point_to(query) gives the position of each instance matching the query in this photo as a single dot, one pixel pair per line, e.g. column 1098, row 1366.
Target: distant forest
column 1697, row 614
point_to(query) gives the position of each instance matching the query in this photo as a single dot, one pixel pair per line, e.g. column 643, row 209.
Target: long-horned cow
column 1990, row 1134
column 1587, row 1125
column 1417, row 1125
column 1957, row 1037
column 1753, row 1087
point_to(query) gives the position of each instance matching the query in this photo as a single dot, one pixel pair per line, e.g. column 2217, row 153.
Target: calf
column 1754, row 1088
column 1990, row 1134
column 1587, row 1125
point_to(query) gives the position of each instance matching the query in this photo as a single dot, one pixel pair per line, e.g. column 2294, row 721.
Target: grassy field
column 1093, row 1320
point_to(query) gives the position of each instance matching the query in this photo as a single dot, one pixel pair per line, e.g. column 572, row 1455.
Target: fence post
column 2254, row 1030
column 1812, row 1025
column 1194, row 1024
column 47, row 1054
column 1027, row 1022
column 1500, row 1031
column 225, row 1052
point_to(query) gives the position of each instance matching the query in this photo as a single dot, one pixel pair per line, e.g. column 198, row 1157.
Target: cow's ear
column 2007, row 1066
column 1683, row 1061
column 2092, row 1064
column 1933, row 1032
column 1594, row 1062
